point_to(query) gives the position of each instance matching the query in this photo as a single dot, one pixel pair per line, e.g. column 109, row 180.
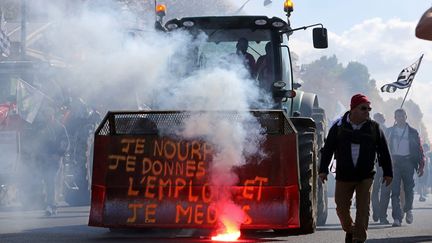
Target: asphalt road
column 70, row 225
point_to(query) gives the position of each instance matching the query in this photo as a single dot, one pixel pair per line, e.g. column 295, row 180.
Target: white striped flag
column 29, row 100
column 4, row 38
column 405, row 78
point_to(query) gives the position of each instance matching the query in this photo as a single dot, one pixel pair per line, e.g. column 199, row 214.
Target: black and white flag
column 4, row 38
column 405, row 78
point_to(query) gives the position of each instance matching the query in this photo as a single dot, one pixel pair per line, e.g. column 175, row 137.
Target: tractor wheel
column 308, row 182
column 322, row 205
column 318, row 114
column 308, row 178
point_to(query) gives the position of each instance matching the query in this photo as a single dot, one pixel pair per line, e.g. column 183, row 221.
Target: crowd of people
column 376, row 164
column 410, row 162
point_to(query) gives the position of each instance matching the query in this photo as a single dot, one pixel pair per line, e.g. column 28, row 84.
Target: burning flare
column 231, row 231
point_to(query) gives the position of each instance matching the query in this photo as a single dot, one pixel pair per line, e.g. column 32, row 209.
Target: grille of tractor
column 168, row 122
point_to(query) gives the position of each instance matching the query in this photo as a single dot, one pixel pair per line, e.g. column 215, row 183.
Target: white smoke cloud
column 109, row 69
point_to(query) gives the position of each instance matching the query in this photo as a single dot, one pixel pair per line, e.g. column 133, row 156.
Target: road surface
column 70, row 225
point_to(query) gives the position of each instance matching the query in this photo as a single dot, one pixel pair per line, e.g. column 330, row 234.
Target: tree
column 323, row 78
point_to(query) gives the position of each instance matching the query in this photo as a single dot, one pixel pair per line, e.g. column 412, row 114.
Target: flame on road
column 231, row 231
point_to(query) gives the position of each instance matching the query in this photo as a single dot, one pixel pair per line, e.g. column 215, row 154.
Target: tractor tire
column 318, row 114
column 308, row 180
column 322, row 204
column 308, row 183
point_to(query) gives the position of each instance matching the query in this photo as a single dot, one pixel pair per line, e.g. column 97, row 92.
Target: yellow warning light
column 288, row 6
column 161, row 9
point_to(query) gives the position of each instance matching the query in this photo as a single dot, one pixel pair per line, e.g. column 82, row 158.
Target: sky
column 379, row 34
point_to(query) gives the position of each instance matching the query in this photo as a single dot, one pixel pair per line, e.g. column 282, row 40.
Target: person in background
column 52, row 145
column 264, row 68
column 424, row 31
column 242, row 46
column 380, row 192
column 407, row 155
column 356, row 141
column 423, row 181
column 429, row 184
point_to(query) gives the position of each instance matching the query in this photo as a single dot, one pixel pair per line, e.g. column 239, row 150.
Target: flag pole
column 406, row 94
column 23, row 29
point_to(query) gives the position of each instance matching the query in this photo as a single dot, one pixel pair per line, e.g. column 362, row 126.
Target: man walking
column 380, row 192
column 52, row 144
column 407, row 154
column 423, row 181
column 355, row 140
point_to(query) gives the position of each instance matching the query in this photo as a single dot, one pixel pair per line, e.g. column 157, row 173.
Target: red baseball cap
column 358, row 99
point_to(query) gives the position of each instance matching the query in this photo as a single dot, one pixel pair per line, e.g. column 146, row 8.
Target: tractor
column 144, row 177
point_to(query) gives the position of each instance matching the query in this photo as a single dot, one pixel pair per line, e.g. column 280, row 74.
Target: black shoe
column 397, row 223
column 50, row 210
column 422, row 199
column 375, row 218
column 348, row 238
column 384, row 221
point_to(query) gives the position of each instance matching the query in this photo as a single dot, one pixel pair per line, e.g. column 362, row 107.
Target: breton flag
column 405, row 78
column 29, row 100
column 4, row 38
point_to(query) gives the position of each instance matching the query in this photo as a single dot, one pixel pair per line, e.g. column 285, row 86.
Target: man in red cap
column 355, row 140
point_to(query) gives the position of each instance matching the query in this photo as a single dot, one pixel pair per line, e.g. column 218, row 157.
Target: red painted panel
column 160, row 182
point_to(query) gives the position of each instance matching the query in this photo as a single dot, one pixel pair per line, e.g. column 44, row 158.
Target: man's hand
column 387, row 180
column 420, row 172
column 322, row 177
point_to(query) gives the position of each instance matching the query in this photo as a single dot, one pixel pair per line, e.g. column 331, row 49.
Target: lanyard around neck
column 403, row 133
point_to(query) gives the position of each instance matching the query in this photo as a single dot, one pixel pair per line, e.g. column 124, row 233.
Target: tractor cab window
column 252, row 48
column 286, row 62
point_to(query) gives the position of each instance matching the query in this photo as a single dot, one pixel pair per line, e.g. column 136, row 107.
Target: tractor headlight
column 188, row 23
column 278, row 24
column 260, row 22
column 172, row 26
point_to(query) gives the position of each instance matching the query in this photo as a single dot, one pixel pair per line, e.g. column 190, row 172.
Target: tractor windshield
column 252, row 47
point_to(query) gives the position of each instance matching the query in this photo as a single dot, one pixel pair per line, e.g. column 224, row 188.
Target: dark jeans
column 403, row 172
column 380, row 195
